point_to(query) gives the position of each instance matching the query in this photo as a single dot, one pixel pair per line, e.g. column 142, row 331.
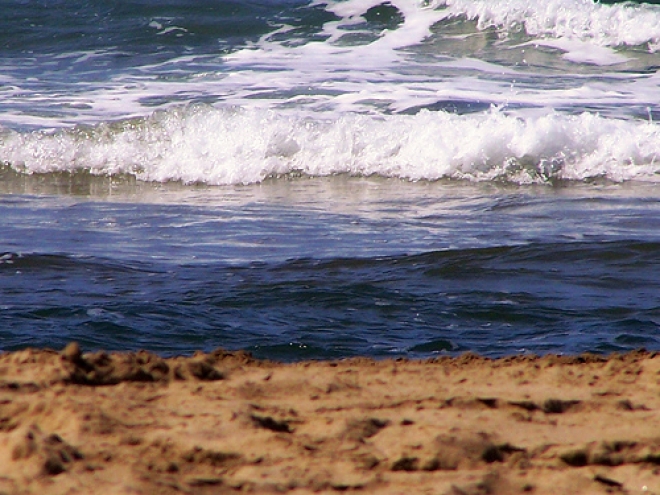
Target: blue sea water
column 327, row 178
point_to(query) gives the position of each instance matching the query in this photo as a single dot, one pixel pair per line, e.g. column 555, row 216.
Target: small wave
column 613, row 24
column 39, row 263
column 363, row 56
column 202, row 144
column 624, row 23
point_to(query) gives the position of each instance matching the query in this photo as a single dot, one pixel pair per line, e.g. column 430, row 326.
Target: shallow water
column 331, row 267
column 328, row 179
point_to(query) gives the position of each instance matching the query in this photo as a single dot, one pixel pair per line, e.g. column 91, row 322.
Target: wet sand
column 224, row 422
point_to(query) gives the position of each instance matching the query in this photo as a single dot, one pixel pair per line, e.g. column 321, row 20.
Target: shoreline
column 224, row 422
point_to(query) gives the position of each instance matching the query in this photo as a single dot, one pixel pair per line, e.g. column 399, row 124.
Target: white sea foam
column 603, row 25
column 206, row 145
column 385, row 73
column 576, row 21
column 579, row 51
column 599, row 24
column 396, row 70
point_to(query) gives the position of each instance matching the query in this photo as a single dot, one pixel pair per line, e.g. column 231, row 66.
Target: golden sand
column 223, row 422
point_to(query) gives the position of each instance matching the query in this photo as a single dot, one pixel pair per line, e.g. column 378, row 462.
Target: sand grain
column 225, row 423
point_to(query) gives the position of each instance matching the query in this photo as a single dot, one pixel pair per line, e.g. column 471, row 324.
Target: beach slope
column 224, row 422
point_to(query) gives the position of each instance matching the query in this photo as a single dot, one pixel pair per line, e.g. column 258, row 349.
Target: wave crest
column 201, row 144
column 603, row 25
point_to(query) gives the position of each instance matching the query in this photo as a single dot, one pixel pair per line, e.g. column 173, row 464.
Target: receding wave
column 202, row 144
column 361, row 56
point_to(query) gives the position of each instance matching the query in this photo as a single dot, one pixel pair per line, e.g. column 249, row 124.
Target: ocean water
column 330, row 178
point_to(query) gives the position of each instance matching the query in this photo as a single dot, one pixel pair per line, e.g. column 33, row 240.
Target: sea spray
column 201, row 144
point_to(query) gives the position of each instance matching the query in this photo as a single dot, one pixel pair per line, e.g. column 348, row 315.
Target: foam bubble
column 578, row 51
column 240, row 146
column 596, row 23
column 396, row 67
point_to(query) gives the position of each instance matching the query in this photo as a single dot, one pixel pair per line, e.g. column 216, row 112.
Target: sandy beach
column 224, row 422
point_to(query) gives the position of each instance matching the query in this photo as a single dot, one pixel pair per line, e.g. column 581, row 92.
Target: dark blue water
column 568, row 298
column 322, row 180
column 369, row 267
